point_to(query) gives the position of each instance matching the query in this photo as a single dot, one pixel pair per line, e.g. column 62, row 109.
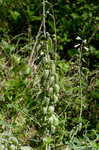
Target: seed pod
column 55, row 98
column 56, row 77
column 46, row 59
column 46, row 100
column 50, row 90
column 45, row 110
column 53, row 67
column 56, row 88
column 53, row 120
column 51, row 109
column 53, row 128
column 2, row 147
column 46, row 74
column 56, row 121
column 12, row 147
column 25, row 148
column 52, row 79
column 13, row 140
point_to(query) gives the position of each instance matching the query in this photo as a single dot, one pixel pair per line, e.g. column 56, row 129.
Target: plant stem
column 80, row 78
column 44, row 19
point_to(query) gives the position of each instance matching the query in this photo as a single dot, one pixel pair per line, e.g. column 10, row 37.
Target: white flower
column 85, row 41
column 78, row 38
column 86, row 48
column 77, row 45
column 42, row 53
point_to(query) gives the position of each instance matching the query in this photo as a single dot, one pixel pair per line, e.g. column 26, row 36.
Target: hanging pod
column 12, row 147
column 50, row 91
column 51, row 109
column 52, row 80
column 46, row 100
column 56, row 77
column 46, row 73
column 56, row 88
column 53, row 67
column 2, row 147
column 13, row 140
column 46, row 59
column 55, row 98
column 45, row 110
column 53, row 120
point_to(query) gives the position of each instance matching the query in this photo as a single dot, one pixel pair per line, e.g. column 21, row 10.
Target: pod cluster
column 51, row 88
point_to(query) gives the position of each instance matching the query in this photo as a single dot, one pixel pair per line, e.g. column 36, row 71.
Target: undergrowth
column 44, row 100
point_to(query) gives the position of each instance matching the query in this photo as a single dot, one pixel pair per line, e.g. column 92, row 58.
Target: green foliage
column 49, row 81
column 9, row 142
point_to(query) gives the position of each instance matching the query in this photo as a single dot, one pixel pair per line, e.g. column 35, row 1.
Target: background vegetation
column 49, row 75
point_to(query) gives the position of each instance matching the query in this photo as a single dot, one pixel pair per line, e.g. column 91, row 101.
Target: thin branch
column 93, row 34
column 37, row 37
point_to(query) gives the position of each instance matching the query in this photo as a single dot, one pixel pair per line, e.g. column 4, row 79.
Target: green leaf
column 36, row 18
column 14, row 14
